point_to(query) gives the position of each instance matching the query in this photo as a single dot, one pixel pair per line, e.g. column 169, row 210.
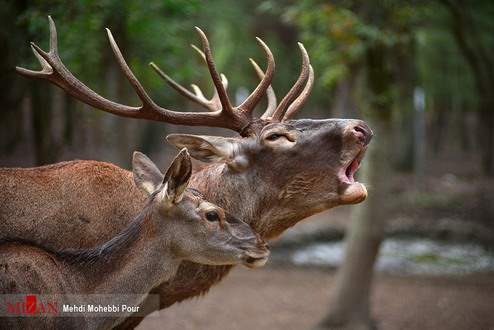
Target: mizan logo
column 28, row 305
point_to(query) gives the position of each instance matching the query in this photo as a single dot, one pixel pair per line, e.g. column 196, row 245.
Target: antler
column 289, row 106
column 299, row 102
column 269, row 92
column 234, row 118
column 213, row 104
column 220, row 113
column 279, row 113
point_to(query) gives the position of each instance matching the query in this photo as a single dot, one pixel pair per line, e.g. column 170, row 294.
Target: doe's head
column 196, row 230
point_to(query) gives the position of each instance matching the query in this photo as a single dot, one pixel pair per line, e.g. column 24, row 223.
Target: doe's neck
column 138, row 265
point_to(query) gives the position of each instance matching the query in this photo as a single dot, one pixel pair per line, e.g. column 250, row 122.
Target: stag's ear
column 147, row 176
column 177, row 176
column 211, row 149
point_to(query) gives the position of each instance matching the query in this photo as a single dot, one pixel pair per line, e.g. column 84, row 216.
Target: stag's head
column 306, row 163
column 301, row 166
column 195, row 229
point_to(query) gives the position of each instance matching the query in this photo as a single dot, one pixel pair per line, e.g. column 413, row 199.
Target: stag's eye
column 212, row 216
column 273, row 137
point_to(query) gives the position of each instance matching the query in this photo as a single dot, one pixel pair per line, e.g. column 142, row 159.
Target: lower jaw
column 354, row 193
column 257, row 263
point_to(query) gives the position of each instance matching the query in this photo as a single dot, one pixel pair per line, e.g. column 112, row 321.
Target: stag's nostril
column 363, row 133
column 359, row 129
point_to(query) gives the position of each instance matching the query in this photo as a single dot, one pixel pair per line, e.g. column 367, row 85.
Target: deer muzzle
column 256, row 255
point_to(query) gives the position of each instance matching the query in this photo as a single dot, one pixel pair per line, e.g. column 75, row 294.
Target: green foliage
column 437, row 58
column 155, row 30
column 339, row 33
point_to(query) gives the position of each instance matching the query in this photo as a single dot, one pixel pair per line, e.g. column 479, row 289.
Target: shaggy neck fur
column 259, row 206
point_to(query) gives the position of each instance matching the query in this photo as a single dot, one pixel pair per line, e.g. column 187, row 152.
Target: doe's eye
column 212, row 216
column 273, row 137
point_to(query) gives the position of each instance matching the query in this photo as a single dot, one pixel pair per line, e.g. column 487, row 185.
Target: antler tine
column 200, row 52
column 54, row 71
column 224, row 80
column 222, row 95
column 250, row 103
column 296, row 88
column 46, row 69
column 269, row 92
column 197, row 91
column 300, row 100
column 53, row 36
column 215, row 100
column 147, row 102
column 200, row 99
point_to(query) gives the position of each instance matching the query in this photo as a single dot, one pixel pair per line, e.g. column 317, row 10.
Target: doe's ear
column 211, row 149
column 147, row 176
column 177, row 176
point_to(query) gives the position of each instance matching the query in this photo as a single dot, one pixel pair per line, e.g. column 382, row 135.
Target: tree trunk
column 13, row 89
column 439, row 123
column 419, row 137
column 45, row 149
column 475, row 51
column 350, row 298
column 116, row 129
column 404, row 71
column 69, row 119
column 344, row 105
column 486, row 120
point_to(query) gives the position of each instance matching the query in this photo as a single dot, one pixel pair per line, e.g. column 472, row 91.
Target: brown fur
column 35, row 203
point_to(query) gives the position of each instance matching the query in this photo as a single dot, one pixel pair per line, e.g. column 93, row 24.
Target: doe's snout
column 257, row 254
column 362, row 131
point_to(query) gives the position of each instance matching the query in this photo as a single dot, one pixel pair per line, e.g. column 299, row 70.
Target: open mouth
column 256, row 261
column 347, row 173
column 351, row 170
column 251, row 262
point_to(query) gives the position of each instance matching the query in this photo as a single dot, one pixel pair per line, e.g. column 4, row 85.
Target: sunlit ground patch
column 407, row 256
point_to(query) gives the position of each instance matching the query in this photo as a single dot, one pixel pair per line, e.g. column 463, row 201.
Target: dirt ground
column 295, row 298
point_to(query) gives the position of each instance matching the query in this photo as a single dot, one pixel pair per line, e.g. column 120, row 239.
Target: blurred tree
column 472, row 27
column 12, row 89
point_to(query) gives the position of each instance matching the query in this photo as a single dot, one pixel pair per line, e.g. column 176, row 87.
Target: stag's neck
column 245, row 194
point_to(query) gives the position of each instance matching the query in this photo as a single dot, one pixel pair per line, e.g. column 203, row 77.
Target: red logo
column 30, row 305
